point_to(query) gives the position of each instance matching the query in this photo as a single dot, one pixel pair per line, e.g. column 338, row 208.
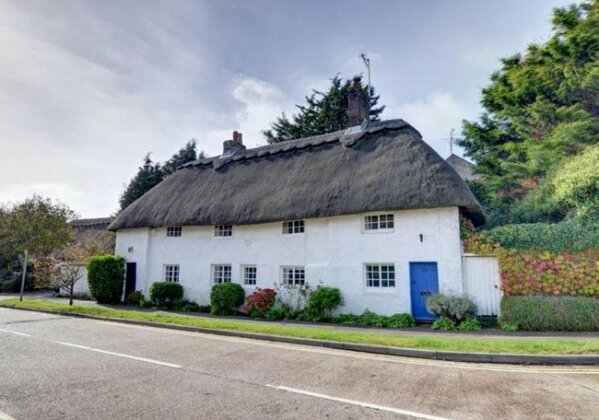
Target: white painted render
column 333, row 250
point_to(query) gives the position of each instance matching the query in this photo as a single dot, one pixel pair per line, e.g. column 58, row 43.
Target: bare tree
column 66, row 275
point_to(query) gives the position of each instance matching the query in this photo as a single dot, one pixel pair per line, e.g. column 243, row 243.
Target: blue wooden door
column 424, row 282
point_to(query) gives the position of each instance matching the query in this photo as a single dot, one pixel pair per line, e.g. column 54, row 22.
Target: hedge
column 225, row 298
column 165, row 294
column 105, row 277
column 568, row 236
column 551, row 313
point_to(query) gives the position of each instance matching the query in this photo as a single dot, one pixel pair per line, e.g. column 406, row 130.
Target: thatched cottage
column 372, row 210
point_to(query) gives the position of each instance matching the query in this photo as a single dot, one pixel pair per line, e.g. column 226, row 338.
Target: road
column 54, row 367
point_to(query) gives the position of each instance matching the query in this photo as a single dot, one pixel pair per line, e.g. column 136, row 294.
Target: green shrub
column 551, row 313
column 144, row 304
column 278, row 311
column 205, row 309
column 370, row 319
column 165, row 293
column 509, row 326
column 400, row 321
column 225, row 298
column 105, row 276
column 134, row 298
column 454, row 307
column 444, row 324
column 322, row 302
column 470, row 324
column 187, row 306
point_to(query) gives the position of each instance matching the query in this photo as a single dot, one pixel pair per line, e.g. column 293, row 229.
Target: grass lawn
column 472, row 345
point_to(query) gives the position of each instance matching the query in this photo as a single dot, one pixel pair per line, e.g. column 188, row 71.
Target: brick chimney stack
column 358, row 104
column 230, row 147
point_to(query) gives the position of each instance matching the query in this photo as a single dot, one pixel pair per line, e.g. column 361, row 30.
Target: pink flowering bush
column 259, row 302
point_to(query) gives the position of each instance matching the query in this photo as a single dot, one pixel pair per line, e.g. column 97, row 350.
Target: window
column 171, row 273
column 380, row 275
column 249, row 275
column 294, row 276
column 378, row 222
column 174, row 231
column 221, row 273
column 223, row 230
column 293, row 226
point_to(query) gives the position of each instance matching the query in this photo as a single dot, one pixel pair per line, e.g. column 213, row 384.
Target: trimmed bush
column 322, row 302
column 165, row 293
column 105, row 277
column 444, row 324
column 225, row 298
column 259, row 302
column 551, row 313
column 134, row 298
column 454, row 307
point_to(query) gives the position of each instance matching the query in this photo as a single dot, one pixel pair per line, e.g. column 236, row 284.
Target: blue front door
column 424, row 282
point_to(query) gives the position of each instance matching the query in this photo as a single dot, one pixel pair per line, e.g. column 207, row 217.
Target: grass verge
column 456, row 344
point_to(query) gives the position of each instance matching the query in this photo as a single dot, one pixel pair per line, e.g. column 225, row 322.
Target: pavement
column 56, row 367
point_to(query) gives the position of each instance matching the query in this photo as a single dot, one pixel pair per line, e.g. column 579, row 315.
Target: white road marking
column 4, row 416
column 374, row 357
column 358, row 403
column 126, row 356
column 15, row 333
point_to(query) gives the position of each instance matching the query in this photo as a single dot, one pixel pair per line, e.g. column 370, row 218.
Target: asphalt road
column 54, row 367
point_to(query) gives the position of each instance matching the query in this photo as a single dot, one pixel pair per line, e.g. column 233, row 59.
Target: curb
column 515, row 359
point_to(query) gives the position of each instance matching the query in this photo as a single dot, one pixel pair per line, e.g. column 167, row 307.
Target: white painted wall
column 333, row 251
column 482, row 281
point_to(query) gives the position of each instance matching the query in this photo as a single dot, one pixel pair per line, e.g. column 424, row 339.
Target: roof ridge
column 348, row 137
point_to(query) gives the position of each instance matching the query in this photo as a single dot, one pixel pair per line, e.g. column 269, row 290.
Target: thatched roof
column 464, row 168
column 385, row 166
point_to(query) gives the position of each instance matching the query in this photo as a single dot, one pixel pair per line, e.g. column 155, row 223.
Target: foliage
column 259, row 302
column 184, row 305
column 509, row 326
column 570, row 235
column 541, row 110
column 324, row 112
column 470, row 324
column 520, row 345
column 322, row 302
column 278, row 311
column 165, row 293
column 225, row 298
column 541, row 272
column 205, row 309
column 105, row 277
column 454, row 307
column 151, row 174
column 294, row 297
column 370, row 319
column 134, row 298
column 444, row 324
column 551, row 313
column 145, row 304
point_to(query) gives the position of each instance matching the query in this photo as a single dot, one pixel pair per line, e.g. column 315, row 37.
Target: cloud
column 434, row 117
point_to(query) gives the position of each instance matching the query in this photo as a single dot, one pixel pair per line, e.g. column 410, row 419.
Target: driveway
column 54, row 367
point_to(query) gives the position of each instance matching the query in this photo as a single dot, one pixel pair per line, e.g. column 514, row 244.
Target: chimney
column 358, row 104
column 230, row 147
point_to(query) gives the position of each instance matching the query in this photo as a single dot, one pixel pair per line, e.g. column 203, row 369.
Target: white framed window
column 380, row 276
column 171, row 273
column 293, row 276
column 293, row 226
column 221, row 273
column 174, row 231
column 250, row 274
column 223, row 230
column 379, row 222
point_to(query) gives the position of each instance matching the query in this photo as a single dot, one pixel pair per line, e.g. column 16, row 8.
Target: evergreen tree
column 541, row 110
column 148, row 176
column 324, row 112
column 188, row 153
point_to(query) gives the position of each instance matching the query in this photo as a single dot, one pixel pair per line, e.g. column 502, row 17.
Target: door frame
column 412, row 264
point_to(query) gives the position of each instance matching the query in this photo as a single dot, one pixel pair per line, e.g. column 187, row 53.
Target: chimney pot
column 237, row 137
column 230, row 147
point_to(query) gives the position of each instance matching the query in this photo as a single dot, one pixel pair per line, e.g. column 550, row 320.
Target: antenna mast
column 451, row 140
column 367, row 64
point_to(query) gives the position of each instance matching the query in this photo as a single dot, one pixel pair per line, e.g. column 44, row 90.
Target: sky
column 88, row 87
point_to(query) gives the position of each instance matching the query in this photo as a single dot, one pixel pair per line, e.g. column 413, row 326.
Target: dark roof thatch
column 386, row 166
column 464, row 168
